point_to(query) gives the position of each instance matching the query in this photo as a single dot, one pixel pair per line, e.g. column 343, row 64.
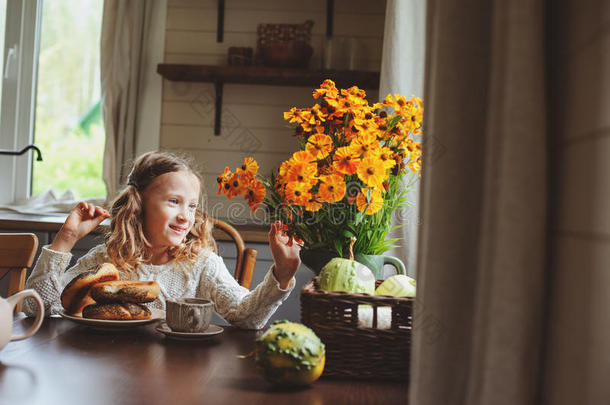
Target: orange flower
column 250, row 166
column 294, row 115
column 364, row 143
column 352, row 194
column 318, row 113
column 309, row 121
column 312, row 205
column 332, row 188
column 317, row 93
column 329, row 86
column 413, row 118
column 369, row 201
column 298, row 193
column 412, row 148
column 355, row 97
column 415, row 165
column 345, row 105
column 346, row 160
column 237, row 186
column 304, row 117
column 319, row 145
column 385, row 155
column 361, row 123
column 355, row 92
column 301, row 156
column 349, row 152
column 284, row 167
column 303, row 173
column 255, row 195
column 372, row 172
column 292, row 238
column 222, row 181
column 398, row 102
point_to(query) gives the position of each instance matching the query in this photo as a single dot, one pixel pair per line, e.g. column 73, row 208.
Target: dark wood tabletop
column 68, row 363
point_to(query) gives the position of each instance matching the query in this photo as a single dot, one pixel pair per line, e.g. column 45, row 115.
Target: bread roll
column 125, row 311
column 125, row 291
column 75, row 295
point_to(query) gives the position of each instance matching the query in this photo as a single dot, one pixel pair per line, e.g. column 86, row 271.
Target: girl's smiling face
column 169, row 203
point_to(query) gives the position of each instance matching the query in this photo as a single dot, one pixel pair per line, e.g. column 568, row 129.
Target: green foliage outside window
column 68, row 127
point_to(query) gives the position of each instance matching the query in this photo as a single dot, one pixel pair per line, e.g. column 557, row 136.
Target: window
column 51, row 62
column 68, row 125
column 2, row 28
column 18, row 72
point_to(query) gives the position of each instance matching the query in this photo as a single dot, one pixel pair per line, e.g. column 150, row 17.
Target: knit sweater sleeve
column 49, row 276
column 238, row 305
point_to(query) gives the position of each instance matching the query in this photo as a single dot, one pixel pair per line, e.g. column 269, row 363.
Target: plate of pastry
column 156, row 315
column 99, row 299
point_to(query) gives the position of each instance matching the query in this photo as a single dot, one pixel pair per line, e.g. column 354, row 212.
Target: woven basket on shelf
column 353, row 351
column 284, row 45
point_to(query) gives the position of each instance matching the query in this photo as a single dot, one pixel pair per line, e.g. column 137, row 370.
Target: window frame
column 19, row 74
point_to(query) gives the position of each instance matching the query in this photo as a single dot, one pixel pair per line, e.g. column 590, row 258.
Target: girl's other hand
column 83, row 219
column 285, row 257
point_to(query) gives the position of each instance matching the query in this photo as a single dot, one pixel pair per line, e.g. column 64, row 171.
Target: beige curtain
column 402, row 72
column 125, row 30
column 479, row 321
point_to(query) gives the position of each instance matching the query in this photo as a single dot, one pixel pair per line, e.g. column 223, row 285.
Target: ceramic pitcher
column 315, row 259
column 7, row 306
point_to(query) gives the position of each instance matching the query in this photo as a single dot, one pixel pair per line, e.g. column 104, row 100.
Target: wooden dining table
column 69, row 363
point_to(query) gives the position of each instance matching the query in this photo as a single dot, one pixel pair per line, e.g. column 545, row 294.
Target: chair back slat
column 17, row 252
column 17, row 249
column 246, row 258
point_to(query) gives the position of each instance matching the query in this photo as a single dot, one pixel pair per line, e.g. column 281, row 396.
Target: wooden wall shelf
column 267, row 75
column 262, row 75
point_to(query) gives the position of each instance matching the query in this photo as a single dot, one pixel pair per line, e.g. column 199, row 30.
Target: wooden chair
column 246, row 257
column 17, row 251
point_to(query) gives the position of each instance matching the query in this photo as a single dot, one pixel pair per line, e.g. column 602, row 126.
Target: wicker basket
column 352, row 351
column 284, row 45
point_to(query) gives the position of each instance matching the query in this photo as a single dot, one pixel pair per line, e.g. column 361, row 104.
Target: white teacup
column 7, row 307
column 192, row 315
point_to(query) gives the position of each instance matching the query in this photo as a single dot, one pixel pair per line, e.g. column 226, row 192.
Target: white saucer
column 211, row 331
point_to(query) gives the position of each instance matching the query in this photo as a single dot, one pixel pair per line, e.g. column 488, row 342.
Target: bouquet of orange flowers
column 345, row 179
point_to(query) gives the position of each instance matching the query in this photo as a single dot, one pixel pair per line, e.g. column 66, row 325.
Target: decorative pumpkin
column 347, row 275
column 290, row 354
column 398, row 285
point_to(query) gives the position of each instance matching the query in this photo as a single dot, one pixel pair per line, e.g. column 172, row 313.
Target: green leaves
column 333, row 225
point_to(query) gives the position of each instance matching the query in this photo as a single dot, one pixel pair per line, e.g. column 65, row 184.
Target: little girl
column 157, row 233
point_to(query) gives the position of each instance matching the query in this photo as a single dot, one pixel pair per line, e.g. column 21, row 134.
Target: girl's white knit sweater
column 206, row 278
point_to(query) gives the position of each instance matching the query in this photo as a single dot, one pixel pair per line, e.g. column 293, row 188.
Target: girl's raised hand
column 83, row 219
column 286, row 257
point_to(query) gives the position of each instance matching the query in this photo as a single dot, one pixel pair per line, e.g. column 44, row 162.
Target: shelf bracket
column 220, row 26
column 330, row 10
column 218, row 106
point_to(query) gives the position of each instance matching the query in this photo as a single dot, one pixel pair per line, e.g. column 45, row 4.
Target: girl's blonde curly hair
column 126, row 242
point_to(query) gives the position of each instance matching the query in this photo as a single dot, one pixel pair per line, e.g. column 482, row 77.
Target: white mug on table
column 7, row 307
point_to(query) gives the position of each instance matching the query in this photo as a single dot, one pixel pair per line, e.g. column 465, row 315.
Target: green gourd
column 290, row 354
column 347, row 275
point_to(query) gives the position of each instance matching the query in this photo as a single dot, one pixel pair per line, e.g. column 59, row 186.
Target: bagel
column 75, row 295
column 121, row 311
column 136, row 292
column 87, row 300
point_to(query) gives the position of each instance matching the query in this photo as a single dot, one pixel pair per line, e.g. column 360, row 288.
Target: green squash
column 398, row 285
column 290, row 354
column 347, row 275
